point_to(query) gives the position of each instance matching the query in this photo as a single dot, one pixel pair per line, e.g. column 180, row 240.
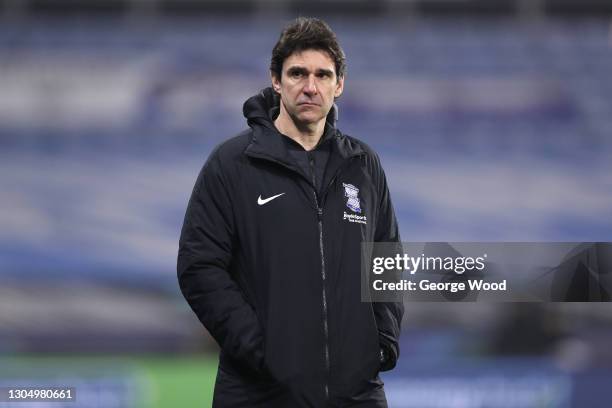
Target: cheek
column 329, row 98
column 331, row 91
column 291, row 94
column 287, row 98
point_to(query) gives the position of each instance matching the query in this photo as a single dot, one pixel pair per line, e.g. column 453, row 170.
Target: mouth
column 307, row 104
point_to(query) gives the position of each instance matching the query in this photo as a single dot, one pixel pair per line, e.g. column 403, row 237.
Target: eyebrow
column 303, row 70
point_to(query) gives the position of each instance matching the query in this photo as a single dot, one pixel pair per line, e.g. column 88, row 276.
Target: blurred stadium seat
column 492, row 127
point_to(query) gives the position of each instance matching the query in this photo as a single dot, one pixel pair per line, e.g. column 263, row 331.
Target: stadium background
column 493, row 120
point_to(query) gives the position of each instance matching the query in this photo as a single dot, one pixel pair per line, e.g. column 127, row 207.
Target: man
column 269, row 255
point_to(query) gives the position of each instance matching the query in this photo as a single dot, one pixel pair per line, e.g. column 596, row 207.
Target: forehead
column 311, row 59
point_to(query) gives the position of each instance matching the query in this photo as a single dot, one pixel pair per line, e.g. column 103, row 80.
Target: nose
column 310, row 87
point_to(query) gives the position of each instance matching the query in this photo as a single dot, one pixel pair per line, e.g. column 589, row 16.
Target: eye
column 296, row 74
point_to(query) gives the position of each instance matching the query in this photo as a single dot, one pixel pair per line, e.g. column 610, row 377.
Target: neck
column 306, row 134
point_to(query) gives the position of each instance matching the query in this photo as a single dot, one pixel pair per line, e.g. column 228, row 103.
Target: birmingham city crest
column 352, row 197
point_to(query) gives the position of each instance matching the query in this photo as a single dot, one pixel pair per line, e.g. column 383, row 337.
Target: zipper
column 323, row 277
column 324, row 297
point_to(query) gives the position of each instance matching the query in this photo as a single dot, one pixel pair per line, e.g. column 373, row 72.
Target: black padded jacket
column 271, row 267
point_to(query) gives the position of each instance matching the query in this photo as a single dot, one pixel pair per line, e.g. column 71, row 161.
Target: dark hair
column 305, row 33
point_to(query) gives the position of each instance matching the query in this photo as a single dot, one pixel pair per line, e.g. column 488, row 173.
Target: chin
column 310, row 117
column 310, row 120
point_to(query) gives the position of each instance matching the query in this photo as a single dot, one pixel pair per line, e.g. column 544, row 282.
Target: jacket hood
column 266, row 142
column 261, row 109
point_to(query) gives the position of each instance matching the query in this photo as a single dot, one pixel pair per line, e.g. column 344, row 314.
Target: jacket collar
column 267, row 142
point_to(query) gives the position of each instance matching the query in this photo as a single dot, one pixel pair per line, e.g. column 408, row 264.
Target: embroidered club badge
column 352, row 194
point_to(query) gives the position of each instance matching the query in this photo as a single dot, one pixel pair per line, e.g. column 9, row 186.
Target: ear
column 339, row 87
column 276, row 85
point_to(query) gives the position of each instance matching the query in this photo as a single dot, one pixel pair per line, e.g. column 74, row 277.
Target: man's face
column 308, row 86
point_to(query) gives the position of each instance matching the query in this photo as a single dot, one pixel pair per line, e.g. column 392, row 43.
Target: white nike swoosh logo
column 261, row 201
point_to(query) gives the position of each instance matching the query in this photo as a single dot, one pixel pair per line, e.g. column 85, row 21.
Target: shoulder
column 224, row 159
column 368, row 155
column 231, row 149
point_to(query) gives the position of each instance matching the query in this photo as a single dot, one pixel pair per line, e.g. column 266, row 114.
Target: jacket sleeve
column 388, row 315
column 204, row 257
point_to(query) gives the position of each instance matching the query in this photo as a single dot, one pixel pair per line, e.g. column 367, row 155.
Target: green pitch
column 182, row 382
